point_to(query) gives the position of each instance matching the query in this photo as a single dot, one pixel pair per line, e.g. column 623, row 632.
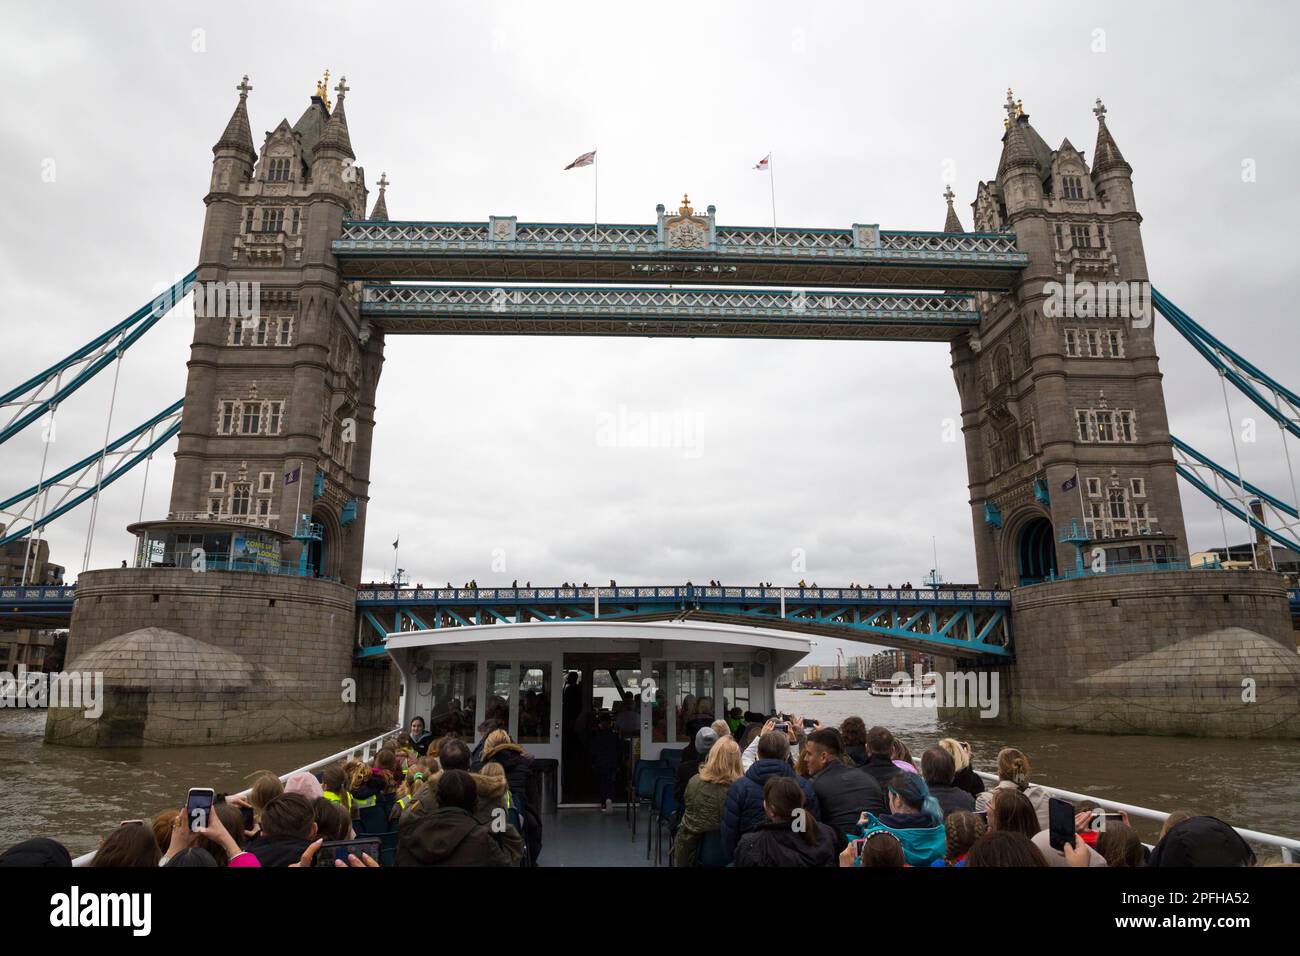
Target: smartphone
column 332, row 850
column 783, row 728
column 249, row 822
column 197, row 807
column 1060, row 823
column 809, row 723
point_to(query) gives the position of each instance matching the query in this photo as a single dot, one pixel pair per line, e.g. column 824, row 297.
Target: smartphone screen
column 247, row 814
column 809, row 723
column 1060, row 823
column 197, row 807
column 332, row 850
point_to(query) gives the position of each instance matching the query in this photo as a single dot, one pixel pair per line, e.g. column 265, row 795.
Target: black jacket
column 743, row 810
column 858, row 754
column 449, row 836
column 882, row 768
column 967, row 779
column 843, row 792
column 277, row 850
column 688, row 768
column 952, row 799
column 776, row 844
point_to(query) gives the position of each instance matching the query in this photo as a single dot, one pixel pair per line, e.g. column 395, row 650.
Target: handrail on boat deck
column 1290, row 848
column 365, row 748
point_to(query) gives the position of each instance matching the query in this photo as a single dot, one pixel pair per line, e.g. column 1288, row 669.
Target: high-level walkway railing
column 960, row 622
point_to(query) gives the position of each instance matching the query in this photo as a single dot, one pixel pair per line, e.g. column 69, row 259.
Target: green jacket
column 704, row 803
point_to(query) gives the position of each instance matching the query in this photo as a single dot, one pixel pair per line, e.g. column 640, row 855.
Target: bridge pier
column 219, row 657
column 1196, row 653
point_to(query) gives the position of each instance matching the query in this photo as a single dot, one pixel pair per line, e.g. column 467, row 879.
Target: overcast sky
column 496, row 446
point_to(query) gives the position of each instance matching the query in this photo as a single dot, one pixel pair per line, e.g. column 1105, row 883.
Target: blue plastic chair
column 662, row 777
column 643, row 787
column 668, row 807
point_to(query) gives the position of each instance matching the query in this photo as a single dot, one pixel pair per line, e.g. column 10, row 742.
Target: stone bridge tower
column 1062, row 407
column 282, row 370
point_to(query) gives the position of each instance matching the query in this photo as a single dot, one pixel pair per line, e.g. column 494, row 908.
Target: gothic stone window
column 227, row 418
column 1107, row 426
column 1138, row 486
column 259, row 334
column 272, row 219
column 284, row 333
column 1094, row 487
column 279, row 171
column 265, row 482
column 249, row 418
column 1081, row 236
column 1072, row 342
column 274, row 415
column 1073, row 187
column 218, row 482
column 1115, row 342
column 297, row 220
column 240, row 498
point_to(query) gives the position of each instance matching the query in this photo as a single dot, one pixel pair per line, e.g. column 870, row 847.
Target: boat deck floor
column 583, row 836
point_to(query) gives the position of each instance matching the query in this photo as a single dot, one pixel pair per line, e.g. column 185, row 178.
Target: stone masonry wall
column 1202, row 653
column 227, row 657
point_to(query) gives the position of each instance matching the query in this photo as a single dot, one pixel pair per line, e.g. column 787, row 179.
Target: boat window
column 451, row 709
column 497, row 705
column 735, row 688
column 694, row 697
column 535, row 703
column 658, row 711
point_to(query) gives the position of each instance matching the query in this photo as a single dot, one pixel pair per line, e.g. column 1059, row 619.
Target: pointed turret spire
column 1107, row 154
column 952, row 223
column 381, row 207
column 335, row 135
column 238, row 135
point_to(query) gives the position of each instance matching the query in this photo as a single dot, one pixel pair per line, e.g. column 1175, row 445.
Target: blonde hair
column 721, row 728
column 960, row 758
column 723, row 763
column 495, row 740
column 493, row 770
column 1013, row 766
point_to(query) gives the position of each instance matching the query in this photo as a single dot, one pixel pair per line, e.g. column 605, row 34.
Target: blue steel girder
column 956, row 623
column 718, row 313
column 508, row 251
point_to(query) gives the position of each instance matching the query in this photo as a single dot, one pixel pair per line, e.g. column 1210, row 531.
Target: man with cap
column 693, row 757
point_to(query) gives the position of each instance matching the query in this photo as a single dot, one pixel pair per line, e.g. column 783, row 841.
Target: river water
column 75, row 795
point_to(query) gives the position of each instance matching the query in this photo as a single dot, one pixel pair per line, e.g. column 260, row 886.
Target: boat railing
column 366, row 749
column 1289, row 848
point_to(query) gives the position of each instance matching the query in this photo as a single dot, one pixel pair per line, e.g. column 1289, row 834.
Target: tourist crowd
column 783, row 792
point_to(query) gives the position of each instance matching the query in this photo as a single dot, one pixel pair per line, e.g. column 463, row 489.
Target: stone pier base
column 1200, row 653
column 218, row 657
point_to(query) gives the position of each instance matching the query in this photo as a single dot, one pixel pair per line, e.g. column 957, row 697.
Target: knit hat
column 705, row 738
column 305, row 784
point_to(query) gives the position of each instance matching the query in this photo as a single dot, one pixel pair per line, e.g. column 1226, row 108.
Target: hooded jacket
column 279, row 850
column 525, row 789
column 744, row 812
column 1037, row 796
column 704, row 803
column 843, row 794
column 450, row 836
column 952, row 798
column 1202, row 841
column 776, row 844
column 922, row 844
column 491, row 796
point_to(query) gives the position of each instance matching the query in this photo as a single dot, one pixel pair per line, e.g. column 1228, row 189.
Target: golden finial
column 323, row 90
column 686, row 209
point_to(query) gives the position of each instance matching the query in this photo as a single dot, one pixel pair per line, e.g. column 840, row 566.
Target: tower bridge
column 1065, row 429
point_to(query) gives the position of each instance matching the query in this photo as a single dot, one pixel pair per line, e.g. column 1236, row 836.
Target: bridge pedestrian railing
column 389, row 594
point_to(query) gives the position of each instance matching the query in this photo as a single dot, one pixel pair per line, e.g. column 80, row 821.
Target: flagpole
column 771, row 171
column 297, row 516
column 396, row 583
column 1078, row 486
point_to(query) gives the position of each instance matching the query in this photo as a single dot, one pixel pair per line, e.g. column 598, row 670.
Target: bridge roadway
column 716, row 313
column 952, row 622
